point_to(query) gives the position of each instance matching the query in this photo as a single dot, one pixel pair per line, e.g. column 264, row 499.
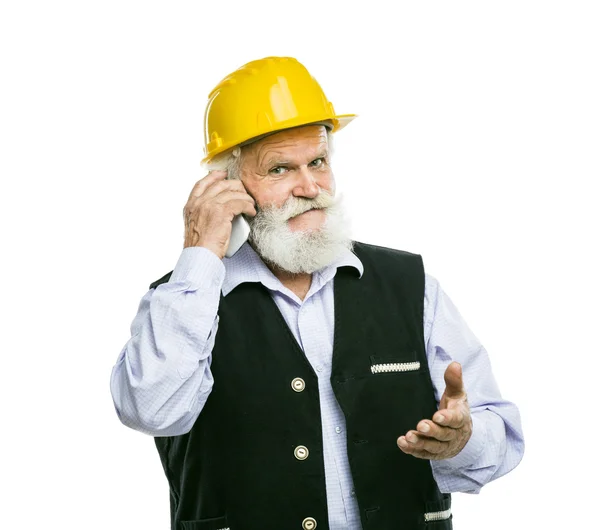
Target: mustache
column 295, row 206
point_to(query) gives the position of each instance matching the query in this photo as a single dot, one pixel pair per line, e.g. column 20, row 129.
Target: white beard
column 304, row 251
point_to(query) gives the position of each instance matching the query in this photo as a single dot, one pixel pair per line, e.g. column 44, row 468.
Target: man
column 309, row 380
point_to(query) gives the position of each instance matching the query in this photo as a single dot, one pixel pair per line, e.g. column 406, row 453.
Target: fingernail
column 438, row 418
column 424, row 427
column 402, row 442
column 412, row 437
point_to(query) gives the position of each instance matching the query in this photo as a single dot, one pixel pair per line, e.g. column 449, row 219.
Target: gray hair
column 231, row 160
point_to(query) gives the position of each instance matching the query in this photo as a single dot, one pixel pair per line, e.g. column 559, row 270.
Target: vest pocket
column 215, row 523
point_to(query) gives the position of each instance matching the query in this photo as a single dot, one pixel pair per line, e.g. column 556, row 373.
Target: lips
column 306, row 211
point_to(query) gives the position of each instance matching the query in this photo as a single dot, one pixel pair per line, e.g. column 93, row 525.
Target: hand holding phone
column 213, row 217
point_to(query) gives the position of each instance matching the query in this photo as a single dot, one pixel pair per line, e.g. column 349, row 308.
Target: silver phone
column 240, row 230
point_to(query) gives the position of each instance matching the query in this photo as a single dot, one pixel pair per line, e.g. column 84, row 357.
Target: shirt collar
column 247, row 266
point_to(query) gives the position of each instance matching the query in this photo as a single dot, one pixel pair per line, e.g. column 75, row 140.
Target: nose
column 306, row 185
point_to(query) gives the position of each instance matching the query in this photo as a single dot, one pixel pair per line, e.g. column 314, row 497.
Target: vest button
column 309, row 524
column 298, row 384
column 301, row 453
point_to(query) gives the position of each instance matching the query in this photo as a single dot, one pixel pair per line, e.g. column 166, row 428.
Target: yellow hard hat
column 262, row 97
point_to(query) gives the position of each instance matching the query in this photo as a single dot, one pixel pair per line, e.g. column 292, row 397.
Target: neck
column 298, row 283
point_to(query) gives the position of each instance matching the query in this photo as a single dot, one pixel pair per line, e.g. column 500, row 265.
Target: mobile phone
column 240, row 230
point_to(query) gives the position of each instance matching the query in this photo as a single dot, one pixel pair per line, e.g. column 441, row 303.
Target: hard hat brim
column 343, row 120
column 338, row 121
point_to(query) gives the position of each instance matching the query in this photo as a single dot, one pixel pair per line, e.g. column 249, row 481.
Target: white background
column 477, row 146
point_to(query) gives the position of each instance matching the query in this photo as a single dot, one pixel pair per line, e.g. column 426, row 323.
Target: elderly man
column 308, row 381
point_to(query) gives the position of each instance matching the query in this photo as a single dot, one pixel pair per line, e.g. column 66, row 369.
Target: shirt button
column 309, row 524
column 338, row 430
column 353, row 493
column 319, row 368
column 301, row 453
column 298, row 384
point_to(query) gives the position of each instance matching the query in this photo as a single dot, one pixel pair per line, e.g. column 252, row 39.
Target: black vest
column 237, row 467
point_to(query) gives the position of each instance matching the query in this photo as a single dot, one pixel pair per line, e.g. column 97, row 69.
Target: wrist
column 215, row 249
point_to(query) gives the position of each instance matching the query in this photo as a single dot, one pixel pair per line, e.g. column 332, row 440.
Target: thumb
column 454, row 382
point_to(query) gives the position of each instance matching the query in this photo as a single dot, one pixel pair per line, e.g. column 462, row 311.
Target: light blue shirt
column 162, row 377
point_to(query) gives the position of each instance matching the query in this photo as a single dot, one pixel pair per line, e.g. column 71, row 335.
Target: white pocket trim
column 395, row 367
column 438, row 516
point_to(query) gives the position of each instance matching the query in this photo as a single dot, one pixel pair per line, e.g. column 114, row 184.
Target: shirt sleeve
column 162, row 376
column 496, row 445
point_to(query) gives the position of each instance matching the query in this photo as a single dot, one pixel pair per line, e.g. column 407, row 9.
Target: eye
column 278, row 170
column 317, row 162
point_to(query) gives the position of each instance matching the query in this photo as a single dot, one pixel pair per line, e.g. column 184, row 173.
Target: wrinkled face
column 292, row 163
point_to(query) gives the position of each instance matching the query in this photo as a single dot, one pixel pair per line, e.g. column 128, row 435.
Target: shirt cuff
column 198, row 267
column 471, row 452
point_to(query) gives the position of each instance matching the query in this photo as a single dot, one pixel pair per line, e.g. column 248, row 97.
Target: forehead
column 292, row 144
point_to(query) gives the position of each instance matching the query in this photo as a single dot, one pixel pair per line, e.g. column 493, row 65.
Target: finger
column 201, row 186
column 233, row 203
column 237, row 202
column 227, row 195
column 422, row 443
column 424, row 455
column 454, row 418
column 430, row 429
column 416, row 445
column 242, row 206
column 454, row 381
column 224, row 186
column 213, row 191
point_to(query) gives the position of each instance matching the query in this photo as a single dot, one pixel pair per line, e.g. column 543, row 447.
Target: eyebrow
column 275, row 162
